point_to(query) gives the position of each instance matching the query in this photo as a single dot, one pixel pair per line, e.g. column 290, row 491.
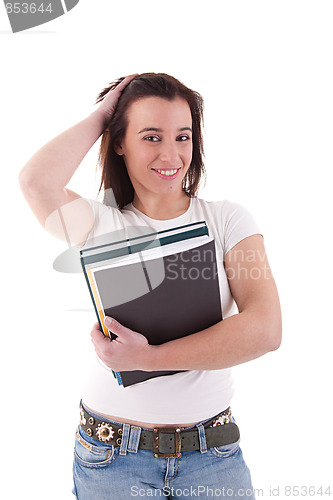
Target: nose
column 169, row 154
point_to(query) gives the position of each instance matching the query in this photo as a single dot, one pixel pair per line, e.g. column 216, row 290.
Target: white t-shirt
column 187, row 396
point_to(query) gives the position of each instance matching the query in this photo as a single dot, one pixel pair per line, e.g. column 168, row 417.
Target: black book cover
column 186, row 301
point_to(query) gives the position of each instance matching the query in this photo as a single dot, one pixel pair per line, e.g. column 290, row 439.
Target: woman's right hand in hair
column 109, row 102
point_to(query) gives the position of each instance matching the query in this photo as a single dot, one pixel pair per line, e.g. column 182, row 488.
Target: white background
column 264, row 69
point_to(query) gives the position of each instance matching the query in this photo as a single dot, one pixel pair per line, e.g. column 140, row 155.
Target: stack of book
column 162, row 284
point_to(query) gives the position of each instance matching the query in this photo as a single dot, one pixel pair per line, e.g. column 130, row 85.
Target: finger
column 96, row 330
column 130, row 77
column 114, row 326
column 98, row 337
column 121, row 331
column 110, row 322
column 102, row 346
column 126, row 81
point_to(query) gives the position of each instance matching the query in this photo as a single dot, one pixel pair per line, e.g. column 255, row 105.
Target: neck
column 162, row 208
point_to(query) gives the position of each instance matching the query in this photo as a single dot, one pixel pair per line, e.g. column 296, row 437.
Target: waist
column 166, row 442
column 144, row 425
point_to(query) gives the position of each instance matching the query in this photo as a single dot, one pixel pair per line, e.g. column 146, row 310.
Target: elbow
column 273, row 333
column 28, row 183
column 275, row 342
column 25, row 181
column 267, row 330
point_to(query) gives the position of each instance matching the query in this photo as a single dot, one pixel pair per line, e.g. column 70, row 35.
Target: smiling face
column 157, row 147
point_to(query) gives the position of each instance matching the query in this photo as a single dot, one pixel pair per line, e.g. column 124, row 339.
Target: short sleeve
column 238, row 223
column 107, row 222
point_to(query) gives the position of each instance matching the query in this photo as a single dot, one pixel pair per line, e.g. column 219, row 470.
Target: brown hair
column 114, row 172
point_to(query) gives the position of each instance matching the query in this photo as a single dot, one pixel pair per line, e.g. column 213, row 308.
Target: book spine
column 139, row 247
column 118, row 377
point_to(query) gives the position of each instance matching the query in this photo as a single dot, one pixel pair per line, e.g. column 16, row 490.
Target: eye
column 151, row 138
column 183, row 138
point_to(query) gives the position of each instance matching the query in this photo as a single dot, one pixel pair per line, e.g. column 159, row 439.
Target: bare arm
column 44, row 178
column 254, row 331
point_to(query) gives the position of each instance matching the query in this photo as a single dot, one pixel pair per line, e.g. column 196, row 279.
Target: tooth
column 167, row 172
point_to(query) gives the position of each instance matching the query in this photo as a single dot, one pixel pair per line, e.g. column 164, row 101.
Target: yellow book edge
column 100, row 310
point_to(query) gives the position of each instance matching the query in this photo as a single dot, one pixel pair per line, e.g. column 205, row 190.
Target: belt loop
column 134, row 438
column 202, row 438
column 124, row 439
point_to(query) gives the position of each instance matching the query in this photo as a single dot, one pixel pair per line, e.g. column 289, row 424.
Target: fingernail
column 108, row 321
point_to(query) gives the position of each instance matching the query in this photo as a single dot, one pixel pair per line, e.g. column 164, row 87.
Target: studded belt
column 166, row 442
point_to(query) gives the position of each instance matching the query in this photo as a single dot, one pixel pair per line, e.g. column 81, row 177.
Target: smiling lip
column 166, row 173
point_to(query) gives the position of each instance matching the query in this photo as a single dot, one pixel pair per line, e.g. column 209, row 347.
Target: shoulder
column 226, row 210
column 232, row 221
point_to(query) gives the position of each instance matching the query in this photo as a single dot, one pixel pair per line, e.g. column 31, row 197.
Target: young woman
column 151, row 156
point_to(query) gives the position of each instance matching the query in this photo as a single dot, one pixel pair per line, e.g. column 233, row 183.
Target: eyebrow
column 154, row 129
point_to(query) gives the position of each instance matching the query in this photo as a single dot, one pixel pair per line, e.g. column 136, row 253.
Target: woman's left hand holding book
column 129, row 351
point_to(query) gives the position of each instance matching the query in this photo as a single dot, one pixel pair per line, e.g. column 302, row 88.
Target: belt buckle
column 156, row 442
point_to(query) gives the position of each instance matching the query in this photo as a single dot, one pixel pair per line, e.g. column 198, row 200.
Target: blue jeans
column 105, row 472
